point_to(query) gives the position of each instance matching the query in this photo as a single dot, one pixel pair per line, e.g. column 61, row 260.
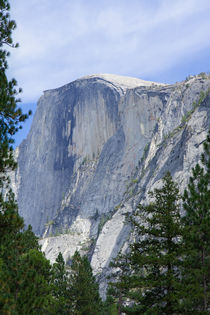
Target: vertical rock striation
column 95, row 149
column 88, row 120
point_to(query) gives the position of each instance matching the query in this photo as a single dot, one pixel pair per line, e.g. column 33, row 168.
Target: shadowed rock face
column 71, row 124
column 91, row 120
column 95, row 149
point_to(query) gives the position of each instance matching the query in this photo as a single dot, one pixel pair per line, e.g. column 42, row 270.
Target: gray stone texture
column 96, row 147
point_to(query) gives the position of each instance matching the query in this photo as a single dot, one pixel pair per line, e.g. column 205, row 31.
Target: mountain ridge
column 118, row 80
column 95, row 150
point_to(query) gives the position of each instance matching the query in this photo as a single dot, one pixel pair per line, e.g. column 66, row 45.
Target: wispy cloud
column 62, row 40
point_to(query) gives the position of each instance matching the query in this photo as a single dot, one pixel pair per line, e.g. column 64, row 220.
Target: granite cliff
column 96, row 147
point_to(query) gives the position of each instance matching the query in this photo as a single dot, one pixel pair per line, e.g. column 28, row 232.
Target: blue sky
column 62, row 40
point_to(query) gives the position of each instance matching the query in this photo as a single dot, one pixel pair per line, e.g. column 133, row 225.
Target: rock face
column 96, row 147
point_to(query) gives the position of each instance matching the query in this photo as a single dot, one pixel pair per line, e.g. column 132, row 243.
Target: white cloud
column 63, row 40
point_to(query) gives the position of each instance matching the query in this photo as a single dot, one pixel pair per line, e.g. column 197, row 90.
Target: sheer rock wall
column 96, row 147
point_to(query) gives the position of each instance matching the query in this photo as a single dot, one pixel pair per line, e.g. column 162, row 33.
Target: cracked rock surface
column 96, row 147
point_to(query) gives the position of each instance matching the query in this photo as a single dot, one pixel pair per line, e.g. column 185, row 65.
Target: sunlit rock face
column 85, row 139
column 96, row 147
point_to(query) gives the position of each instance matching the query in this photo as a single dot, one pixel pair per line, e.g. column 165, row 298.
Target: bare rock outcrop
column 96, row 147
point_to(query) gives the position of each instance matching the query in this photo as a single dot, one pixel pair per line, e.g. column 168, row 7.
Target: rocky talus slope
column 96, row 147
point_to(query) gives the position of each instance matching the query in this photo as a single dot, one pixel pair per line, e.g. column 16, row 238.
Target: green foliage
column 203, row 75
column 166, row 270
column 7, row 303
column 51, row 222
column 188, row 115
column 33, row 292
column 196, row 203
column 150, row 273
column 104, row 218
column 10, row 221
column 117, row 292
column 24, row 271
column 110, row 307
column 145, row 152
column 60, row 287
column 74, row 288
column 84, row 293
column 85, row 160
column 134, row 181
column 117, row 207
column 11, row 116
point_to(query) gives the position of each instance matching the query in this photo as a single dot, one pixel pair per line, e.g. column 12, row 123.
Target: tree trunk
column 204, row 283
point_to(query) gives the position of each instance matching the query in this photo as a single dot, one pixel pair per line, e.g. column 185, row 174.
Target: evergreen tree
column 33, row 292
column 118, row 288
column 10, row 225
column 84, row 291
column 14, row 244
column 196, row 293
column 11, row 118
column 7, row 302
column 61, row 286
column 25, row 275
column 150, row 284
column 114, row 297
column 24, row 271
column 11, row 115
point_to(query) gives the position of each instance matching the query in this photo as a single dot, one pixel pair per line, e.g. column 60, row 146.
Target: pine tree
column 24, row 271
column 150, row 284
column 111, row 307
column 25, row 275
column 118, row 286
column 10, row 225
column 61, row 286
column 196, row 203
column 11, row 115
column 33, row 293
column 84, row 291
column 7, row 301
column 11, row 118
